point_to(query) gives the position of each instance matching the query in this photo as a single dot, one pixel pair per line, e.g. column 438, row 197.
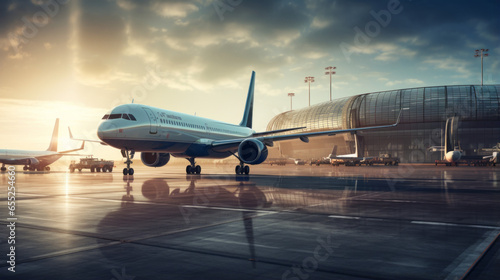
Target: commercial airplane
column 159, row 133
column 494, row 158
column 350, row 159
column 36, row 160
column 451, row 149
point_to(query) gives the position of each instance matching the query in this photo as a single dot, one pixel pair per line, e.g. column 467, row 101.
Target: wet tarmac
column 291, row 222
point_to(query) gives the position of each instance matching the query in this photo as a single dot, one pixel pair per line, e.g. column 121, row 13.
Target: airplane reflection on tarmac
column 165, row 207
column 185, row 209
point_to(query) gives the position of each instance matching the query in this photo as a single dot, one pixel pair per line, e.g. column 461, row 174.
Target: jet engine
column 155, row 159
column 252, row 151
column 32, row 161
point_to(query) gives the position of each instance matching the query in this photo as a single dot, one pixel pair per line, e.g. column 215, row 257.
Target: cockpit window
column 129, row 117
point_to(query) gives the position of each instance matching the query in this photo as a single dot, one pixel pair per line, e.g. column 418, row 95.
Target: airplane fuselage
column 19, row 157
column 151, row 129
column 453, row 156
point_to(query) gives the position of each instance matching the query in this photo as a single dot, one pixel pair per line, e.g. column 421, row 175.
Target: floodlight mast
column 330, row 72
column 482, row 53
column 309, row 80
column 291, row 94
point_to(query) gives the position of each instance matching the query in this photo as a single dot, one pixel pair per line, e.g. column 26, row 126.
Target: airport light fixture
column 482, row 53
column 291, row 94
column 309, row 80
column 330, row 72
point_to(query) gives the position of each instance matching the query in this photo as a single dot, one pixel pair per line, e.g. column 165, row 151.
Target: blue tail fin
column 247, row 115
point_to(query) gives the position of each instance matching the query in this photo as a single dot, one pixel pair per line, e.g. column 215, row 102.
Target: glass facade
column 422, row 126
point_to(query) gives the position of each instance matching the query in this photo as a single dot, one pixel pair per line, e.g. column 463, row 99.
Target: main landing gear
column 3, row 167
column 193, row 168
column 129, row 156
column 241, row 168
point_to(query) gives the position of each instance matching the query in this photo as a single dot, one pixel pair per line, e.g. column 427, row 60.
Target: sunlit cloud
column 174, row 9
column 168, row 53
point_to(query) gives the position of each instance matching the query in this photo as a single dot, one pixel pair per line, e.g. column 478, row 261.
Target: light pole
column 330, row 72
column 309, row 80
column 481, row 53
column 291, row 94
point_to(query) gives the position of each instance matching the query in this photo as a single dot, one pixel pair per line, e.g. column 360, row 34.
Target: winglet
column 248, row 113
column 53, row 140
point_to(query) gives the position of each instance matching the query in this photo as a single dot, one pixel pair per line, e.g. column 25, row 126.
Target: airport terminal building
column 421, row 127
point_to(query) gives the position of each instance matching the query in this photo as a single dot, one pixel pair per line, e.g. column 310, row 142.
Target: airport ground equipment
column 468, row 162
column 94, row 164
column 385, row 159
column 278, row 162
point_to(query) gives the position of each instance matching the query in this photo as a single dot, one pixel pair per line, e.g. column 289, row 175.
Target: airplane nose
column 106, row 130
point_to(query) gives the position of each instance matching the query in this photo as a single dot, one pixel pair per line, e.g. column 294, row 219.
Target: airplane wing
column 69, row 151
column 227, row 145
column 257, row 134
column 436, row 149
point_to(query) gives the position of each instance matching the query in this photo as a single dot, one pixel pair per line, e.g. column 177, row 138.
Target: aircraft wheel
column 110, row 169
column 125, row 171
column 131, row 171
column 197, row 169
column 237, row 169
column 246, row 169
column 3, row 169
column 25, row 168
column 189, row 169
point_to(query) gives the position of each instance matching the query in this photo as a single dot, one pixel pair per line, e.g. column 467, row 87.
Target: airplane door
column 153, row 121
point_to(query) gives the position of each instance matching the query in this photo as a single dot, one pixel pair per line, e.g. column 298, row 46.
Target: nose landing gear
column 129, row 156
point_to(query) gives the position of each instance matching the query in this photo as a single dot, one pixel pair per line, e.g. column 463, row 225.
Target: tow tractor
column 94, row 164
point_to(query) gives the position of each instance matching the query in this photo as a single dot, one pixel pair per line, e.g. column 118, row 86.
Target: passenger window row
column 195, row 126
column 181, row 124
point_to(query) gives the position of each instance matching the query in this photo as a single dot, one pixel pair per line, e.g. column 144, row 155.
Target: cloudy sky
column 76, row 59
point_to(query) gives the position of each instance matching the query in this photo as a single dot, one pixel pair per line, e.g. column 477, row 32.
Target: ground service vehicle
column 94, row 164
